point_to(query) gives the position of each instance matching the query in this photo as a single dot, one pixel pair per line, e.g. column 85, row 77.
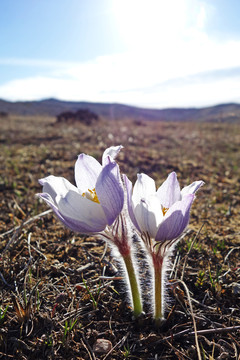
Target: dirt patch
column 61, row 292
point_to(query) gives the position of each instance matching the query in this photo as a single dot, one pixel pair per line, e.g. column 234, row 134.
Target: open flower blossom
column 95, row 205
column 95, row 202
column 162, row 214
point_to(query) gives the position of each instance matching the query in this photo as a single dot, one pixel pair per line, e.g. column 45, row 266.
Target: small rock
column 102, row 346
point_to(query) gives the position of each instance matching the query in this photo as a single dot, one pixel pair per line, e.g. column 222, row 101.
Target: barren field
column 62, row 293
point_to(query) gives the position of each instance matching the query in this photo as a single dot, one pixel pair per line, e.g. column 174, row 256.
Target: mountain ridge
column 229, row 112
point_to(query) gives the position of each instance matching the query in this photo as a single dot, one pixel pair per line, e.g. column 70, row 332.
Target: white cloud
column 43, row 63
column 166, row 66
column 176, row 93
column 201, row 18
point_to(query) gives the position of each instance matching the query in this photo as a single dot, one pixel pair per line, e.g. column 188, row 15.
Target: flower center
column 91, row 195
column 164, row 210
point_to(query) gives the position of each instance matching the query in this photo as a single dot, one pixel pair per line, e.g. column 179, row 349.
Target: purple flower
column 95, row 202
column 162, row 214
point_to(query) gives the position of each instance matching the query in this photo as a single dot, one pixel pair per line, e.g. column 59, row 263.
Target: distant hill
column 52, row 107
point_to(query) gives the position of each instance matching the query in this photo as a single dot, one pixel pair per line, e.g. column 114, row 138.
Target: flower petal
column 76, row 207
column 75, row 211
column 149, row 215
column 143, row 188
column 56, row 186
column 112, row 152
column 75, row 225
column 175, row 220
column 192, row 188
column 128, row 185
column 87, row 170
column 169, row 192
column 110, row 192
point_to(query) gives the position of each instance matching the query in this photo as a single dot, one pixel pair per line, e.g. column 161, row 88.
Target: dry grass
column 54, row 301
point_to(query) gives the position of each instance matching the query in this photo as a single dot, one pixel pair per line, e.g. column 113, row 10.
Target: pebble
column 102, row 346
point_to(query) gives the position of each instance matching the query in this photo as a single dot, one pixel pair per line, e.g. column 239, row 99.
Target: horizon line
column 121, row 104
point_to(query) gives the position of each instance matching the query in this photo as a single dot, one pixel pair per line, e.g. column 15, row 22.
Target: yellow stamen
column 91, row 195
column 164, row 210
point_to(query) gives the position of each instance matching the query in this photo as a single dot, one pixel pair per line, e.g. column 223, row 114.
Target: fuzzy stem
column 158, row 290
column 134, row 287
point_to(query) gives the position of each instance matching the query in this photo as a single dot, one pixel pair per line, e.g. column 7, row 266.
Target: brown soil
column 54, row 303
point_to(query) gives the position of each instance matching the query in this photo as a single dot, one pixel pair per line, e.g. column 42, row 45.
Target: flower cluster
column 106, row 203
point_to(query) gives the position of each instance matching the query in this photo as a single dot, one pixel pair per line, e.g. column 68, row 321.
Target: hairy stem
column 158, row 290
column 134, row 286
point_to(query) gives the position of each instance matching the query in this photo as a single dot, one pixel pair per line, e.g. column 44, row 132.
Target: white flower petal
column 143, row 188
column 176, row 219
column 112, row 152
column 56, row 186
column 192, row 188
column 77, row 207
column 128, row 186
column 169, row 192
column 75, row 225
column 110, row 191
column 149, row 215
column 87, row 170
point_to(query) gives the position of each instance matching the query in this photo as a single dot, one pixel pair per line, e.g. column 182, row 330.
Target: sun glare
column 142, row 23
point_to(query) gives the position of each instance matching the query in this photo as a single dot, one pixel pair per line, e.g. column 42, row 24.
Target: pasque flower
column 95, row 205
column 97, row 199
column 160, row 216
column 164, row 213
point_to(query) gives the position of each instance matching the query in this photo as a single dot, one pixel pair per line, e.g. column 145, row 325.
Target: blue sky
column 150, row 53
